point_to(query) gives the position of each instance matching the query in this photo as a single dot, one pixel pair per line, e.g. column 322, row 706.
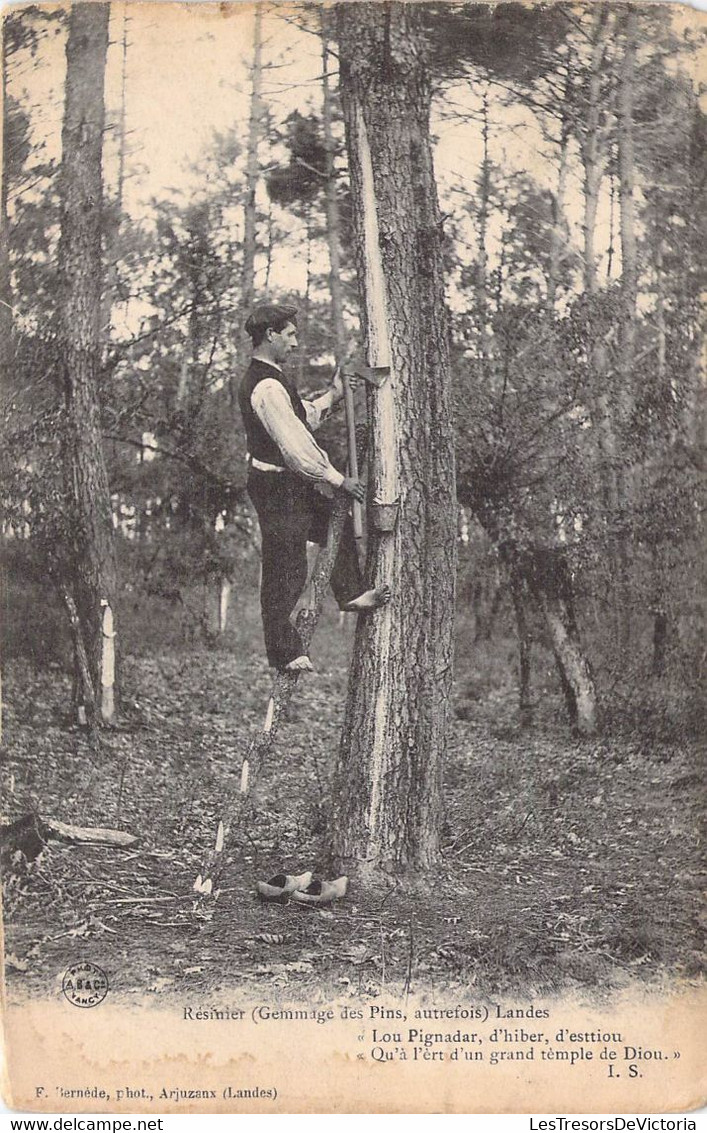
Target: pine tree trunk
column 251, row 186
column 524, row 649
column 252, row 167
column 192, row 350
column 224, row 602
column 387, row 790
column 626, row 478
column 90, row 517
column 592, row 181
column 612, row 228
column 482, row 289
column 578, row 684
column 592, row 148
column 122, row 130
column 627, row 176
column 660, row 642
column 594, row 155
column 551, row 585
column 333, row 225
column 593, row 160
column 6, row 318
column 558, row 204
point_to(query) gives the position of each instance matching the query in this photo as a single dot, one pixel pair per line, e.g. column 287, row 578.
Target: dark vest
column 260, row 443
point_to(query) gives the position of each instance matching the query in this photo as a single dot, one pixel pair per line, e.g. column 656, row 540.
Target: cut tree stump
column 284, row 684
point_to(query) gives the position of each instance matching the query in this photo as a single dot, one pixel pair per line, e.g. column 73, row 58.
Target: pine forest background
column 569, row 146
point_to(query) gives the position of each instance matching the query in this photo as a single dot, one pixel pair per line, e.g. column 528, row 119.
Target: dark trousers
column 290, row 513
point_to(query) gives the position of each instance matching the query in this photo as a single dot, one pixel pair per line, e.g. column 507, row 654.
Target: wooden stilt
column 107, row 665
column 283, row 687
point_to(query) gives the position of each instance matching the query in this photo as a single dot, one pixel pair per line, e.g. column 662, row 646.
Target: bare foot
column 370, row 600
column 300, row 665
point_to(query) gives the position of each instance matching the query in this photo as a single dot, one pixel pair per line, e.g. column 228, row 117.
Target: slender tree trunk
column 252, row 166
column 224, row 600
column 269, row 248
column 485, row 626
column 627, row 175
column 544, row 573
column 592, row 147
column 610, row 251
column 123, row 106
column 661, row 622
column 592, row 182
column 524, row 648
column 484, row 203
column 333, row 225
column 660, row 640
column 112, row 225
column 557, row 236
column 187, row 389
column 251, row 186
column 6, row 318
column 576, row 678
column 666, row 388
column 91, row 520
column 625, row 475
column 551, row 585
column 387, row 789
column 305, row 305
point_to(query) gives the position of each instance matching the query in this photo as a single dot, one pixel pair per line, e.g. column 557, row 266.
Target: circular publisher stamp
column 85, row 985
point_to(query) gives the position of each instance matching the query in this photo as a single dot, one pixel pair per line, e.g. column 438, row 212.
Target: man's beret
column 264, row 315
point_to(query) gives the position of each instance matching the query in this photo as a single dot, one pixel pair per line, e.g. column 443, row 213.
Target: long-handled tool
column 376, row 378
column 353, row 458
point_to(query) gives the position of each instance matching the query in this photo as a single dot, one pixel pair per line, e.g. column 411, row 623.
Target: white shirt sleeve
column 300, row 452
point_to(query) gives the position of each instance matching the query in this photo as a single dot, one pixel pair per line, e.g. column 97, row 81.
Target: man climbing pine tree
column 290, row 482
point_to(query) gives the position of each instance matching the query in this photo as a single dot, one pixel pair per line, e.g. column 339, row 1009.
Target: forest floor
column 566, row 864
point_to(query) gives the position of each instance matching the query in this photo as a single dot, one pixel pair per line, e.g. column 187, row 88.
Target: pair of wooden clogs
column 306, row 889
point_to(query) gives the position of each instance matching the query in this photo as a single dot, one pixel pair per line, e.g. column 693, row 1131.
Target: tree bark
column 627, row 175
column 667, row 390
column 252, row 167
column 387, row 789
column 578, row 684
column 224, row 601
column 90, row 521
column 6, row 314
column 625, row 476
column 593, row 147
column 483, row 277
column 333, row 225
column 660, row 642
column 551, row 585
column 557, row 235
column 593, row 152
column 524, row 649
column 122, row 130
column 249, row 200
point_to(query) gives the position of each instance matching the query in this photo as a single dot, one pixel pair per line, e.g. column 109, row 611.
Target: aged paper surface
column 94, row 1022
column 140, row 1058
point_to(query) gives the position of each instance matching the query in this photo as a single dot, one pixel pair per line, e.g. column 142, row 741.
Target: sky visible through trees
column 187, row 76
